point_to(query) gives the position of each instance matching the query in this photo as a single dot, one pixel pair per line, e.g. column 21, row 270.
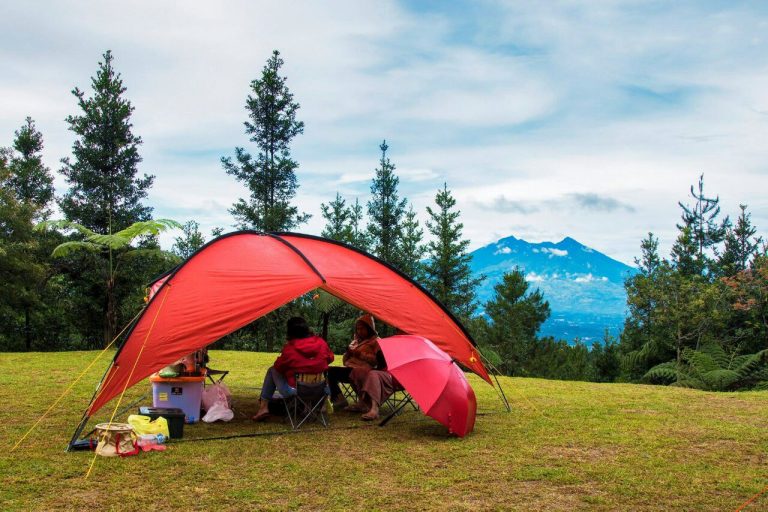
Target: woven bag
column 116, row 439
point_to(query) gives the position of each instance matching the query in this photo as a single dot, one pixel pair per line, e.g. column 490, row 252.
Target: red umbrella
column 434, row 381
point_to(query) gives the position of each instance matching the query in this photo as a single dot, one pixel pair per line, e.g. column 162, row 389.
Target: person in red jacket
column 304, row 352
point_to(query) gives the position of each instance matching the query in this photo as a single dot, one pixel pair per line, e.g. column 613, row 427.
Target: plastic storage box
column 184, row 393
column 174, row 416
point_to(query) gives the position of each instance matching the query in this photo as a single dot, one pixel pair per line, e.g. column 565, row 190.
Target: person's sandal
column 261, row 416
column 369, row 417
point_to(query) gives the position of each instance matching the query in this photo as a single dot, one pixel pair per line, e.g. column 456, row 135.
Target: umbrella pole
column 395, row 412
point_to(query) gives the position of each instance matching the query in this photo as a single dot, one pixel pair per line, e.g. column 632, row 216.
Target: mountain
column 584, row 287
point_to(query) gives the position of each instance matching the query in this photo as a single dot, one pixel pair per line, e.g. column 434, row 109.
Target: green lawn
column 564, row 446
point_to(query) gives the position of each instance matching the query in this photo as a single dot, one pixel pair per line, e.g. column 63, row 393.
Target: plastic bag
column 144, row 425
column 216, row 400
column 216, row 393
column 218, row 411
column 170, row 371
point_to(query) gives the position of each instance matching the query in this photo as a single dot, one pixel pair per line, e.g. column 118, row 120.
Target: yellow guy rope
column 72, row 385
column 135, row 363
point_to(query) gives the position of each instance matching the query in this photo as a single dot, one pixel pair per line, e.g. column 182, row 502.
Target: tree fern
column 665, row 372
column 720, row 379
column 700, row 362
column 712, row 369
column 68, row 248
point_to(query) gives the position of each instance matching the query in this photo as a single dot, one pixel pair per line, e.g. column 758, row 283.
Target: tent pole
column 85, row 418
column 501, row 390
column 78, row 431
column 496, row 373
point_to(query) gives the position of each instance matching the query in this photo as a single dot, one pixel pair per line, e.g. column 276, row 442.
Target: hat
column 367, row 319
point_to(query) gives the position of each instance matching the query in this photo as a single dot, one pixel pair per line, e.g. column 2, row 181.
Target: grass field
column 564, row 446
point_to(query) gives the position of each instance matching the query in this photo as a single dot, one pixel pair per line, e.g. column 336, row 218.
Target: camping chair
column 309, row 401
column 346, row 388
column 398, row 401
column 348, row 392
column 215, row 376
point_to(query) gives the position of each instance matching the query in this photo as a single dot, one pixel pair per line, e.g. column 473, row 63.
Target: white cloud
column 616, row 99
column 555, row 252
column 502, row 250
column 533, row 277
column 589, row 278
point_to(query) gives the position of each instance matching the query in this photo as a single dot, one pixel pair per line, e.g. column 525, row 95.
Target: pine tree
column 447, row 272
column 31, row 181
column 105, row 195
column 191, row 240
column 641, row 292
column 271, row 175
column 649, row 261
column 685, row 256
column 385, row 211
column 337, row 220
column 360, row 238
column 701, row 219
column 515, row 317
column 411, row 247
column 24, row 267
column 741, row 246
column 15, row 235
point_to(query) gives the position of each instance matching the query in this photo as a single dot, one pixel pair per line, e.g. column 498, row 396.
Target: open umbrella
column 433, row 380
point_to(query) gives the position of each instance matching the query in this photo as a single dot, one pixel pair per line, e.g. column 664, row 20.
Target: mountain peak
column 584, row 287
column 509, row 238
column 570, row 242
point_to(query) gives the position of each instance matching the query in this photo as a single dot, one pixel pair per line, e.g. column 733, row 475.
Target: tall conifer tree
column 360, row 238
column 24, row 265
column 337, row 220
column 385, row 211
column 344, row 223
column 105, row 194
column 704, row 230
column 271, row 175
column 448, row 275
column 190, row 241
column 516, row 315
column 741, row 245
column 31, row 181
column 412, row 247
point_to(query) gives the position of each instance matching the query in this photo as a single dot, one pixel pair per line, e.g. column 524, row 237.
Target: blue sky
column 546, row 119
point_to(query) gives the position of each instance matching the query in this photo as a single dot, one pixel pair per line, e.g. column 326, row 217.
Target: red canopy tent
column 242, row 276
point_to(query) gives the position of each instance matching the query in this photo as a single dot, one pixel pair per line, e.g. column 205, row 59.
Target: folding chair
column 347, row 392
column 215, row 376
column 398, row 401
column 218, row 374
column 309, row 400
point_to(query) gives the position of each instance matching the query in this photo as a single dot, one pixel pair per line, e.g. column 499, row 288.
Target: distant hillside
column 584, row 287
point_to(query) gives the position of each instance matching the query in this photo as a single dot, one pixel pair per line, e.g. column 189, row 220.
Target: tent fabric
column 240, row 277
